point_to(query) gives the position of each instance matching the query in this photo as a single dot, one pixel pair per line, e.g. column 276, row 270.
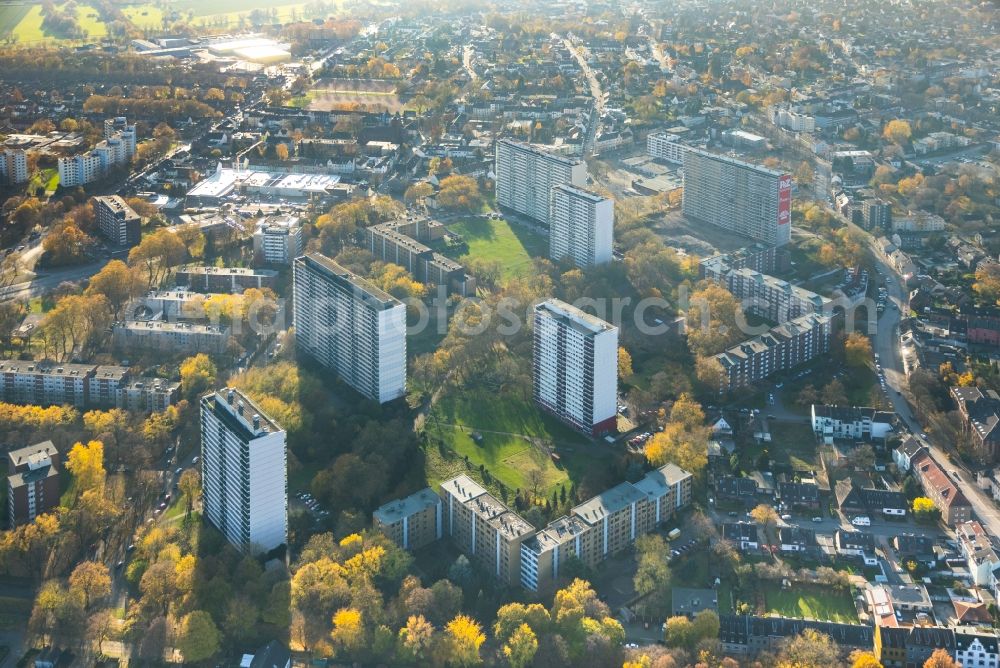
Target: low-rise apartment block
column 401, row 242
column 484, row 528
column 411, row 522
column 183, row 337
column 151, row 396
column 47, row 383
column 225, row 279
column 763, row 258
column 783, row 347
column 772, row 298
column 604, row 525
column 666, row 146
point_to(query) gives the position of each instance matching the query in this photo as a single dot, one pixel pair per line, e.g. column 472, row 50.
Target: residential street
column 886, row 344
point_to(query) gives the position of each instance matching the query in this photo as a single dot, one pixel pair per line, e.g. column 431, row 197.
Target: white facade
column 14, row 166
column 348, row 325
column 792, row 119
column 665, row 146
column 117, row 148
column 244, row 472
column 738, row 196
column 576, row 366
column 525, row 176
column 278, row 241
column 581, row 226
column 79, row 169
column 977, row 651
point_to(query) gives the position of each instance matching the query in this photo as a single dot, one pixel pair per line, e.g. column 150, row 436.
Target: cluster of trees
column 172, row 109
column 62, row 21
column 459, row 193
column 343, row 221
column 683, row 439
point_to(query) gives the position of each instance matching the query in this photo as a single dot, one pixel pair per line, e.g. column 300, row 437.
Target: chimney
column 239, row 408
column 231, row 397
column 256, row 422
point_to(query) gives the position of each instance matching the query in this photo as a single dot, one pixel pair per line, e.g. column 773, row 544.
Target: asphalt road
column 885, row 342
column 49, row 281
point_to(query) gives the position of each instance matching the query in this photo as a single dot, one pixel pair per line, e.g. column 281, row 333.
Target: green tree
column 199, row 637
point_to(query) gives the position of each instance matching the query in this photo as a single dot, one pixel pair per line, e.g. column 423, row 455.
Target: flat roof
column 364, row 289
column 225, row 405
column 395, row 510
column 734, row 161
column 574, row 317
column 581, row 192
column 608, row 502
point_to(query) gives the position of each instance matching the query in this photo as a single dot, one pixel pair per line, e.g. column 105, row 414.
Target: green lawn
column 29, row 28
column 11, row 16
column 512, row 246
column 24, row 22
column 144, row 16
column 813, row 602
column 505, row 424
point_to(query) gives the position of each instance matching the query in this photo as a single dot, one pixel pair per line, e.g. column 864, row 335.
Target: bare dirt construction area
column 695, row 237
column 350, row 94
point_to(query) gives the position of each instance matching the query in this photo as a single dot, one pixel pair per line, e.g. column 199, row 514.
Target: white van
column 862, row 521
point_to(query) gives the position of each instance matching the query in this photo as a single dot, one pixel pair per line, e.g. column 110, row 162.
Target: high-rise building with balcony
column 738, row 196
column 350, row 326
column 526, row 174
column 244, row 472
column 581, row 226
column 575, row 366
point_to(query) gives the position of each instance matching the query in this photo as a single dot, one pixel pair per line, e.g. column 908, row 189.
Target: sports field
column 363, row 94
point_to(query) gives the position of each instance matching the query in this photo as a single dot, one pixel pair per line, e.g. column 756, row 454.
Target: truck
column 673, row 534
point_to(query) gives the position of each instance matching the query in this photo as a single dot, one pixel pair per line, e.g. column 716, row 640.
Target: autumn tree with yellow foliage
column 683, row 440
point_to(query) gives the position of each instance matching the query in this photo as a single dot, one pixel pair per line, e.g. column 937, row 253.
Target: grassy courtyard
column 510, row 438
column 804, row 601
column 510, row 245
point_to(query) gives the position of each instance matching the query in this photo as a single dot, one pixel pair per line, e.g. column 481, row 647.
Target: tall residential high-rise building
column 575, row 366
column 244, row 472
column 347, row 324
column 117, row 221
column 119, row 127
column 739, row 196
column 14, row 166
column 525, row 176
column 581, row 226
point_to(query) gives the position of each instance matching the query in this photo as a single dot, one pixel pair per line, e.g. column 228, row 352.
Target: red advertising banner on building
column 784, row 199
